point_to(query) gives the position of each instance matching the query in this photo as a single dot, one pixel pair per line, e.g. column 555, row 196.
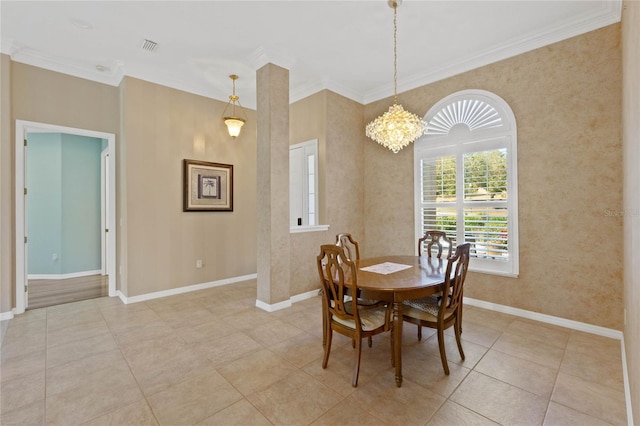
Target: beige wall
column 631, row 140
column 566, row 99
column 337, row 123
column 6, row 188
column 163, row 126
column 46, row 97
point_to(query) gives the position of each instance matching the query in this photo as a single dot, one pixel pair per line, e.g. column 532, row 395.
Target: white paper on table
column 386, row 268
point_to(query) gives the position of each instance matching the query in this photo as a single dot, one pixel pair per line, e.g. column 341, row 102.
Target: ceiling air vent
column 149, row 45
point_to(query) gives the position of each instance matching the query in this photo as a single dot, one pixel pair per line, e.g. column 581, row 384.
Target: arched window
column 466, row 178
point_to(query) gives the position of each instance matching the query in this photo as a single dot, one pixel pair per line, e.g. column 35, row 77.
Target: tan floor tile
column 300, row 350
column 529, row 349
column 75, row 332
column 598, row 401
column 372, row 360
column 74, row 313
column 30, row 341
column 127, row 317
column 231, row 347
column 139, row 414
column 499, row 401
column 518, row 372
column 559, row 415
column 106, row 302
column 79, row 349
column 336, row 376
column 603, row 367
column 83, row 390
column 23, row 391
column 453, row 414
column 185, row 317
column 427, row 371
column 241, row 413
column 348, row 413
column 256, row 371
column 486, row 318
column 193, row 400
column 158, row 364
column 478, row 334
column 273, row 332
column 410, row 404
column 4, row 325
column 12, row 367
column 296, row 399
column 589, row 343
column 249, row 319
column 32, row 414
column 473, row 352
column 149, row 331
column 544, row 333
column 204, row 336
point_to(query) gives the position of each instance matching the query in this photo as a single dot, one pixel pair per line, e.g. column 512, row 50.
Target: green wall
column 63, row 203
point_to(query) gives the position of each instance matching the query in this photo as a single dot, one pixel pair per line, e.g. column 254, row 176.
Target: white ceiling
column 344, row 46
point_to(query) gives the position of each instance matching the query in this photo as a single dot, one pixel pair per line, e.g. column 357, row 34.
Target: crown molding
column 112, row 75
column 609, row 14
column 260, row 57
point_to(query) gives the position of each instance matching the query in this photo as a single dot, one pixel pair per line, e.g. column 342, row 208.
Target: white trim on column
column 6, row 315
column 286, row 303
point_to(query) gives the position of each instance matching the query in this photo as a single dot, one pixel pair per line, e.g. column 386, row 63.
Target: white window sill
column 314, row 228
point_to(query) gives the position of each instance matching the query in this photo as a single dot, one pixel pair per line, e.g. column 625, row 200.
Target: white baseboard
column 180, row 290
column 6, row 315
column 63, row 276
column 627, row 388
column 286, row 303
column 549, row 319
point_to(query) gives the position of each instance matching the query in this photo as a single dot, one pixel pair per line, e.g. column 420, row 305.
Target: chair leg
column 370, row 341
column 324, row 326
column 327, row 347
column 457, row 327
column 393, row 354
column 419, row 332
column 443, row 354
column 356, row 370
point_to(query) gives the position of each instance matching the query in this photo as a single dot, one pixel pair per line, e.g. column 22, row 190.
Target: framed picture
column 207, row 186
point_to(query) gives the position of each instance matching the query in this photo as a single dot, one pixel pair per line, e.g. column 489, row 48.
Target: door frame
column 22, row 129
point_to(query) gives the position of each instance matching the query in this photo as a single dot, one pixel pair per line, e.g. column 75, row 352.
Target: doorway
column 106, row 270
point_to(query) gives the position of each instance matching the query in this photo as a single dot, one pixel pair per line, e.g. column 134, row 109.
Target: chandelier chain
column 395, row 53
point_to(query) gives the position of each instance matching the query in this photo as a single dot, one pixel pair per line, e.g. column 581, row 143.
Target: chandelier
column 234, row 122
column 397, row 127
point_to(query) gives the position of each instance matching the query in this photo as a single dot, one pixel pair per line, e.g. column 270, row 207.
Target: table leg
column 397, row 340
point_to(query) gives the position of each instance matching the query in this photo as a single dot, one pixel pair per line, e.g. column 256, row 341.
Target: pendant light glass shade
column 233, row 121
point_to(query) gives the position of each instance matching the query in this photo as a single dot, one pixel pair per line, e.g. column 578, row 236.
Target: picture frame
column 207, row 186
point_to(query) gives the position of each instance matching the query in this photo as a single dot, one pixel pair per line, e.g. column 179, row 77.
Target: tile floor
column 212, row 358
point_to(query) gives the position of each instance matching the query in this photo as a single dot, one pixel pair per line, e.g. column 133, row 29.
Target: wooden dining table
column 398, row 278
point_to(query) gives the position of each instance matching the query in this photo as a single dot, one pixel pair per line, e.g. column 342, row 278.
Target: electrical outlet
column 198, row 263
column 54, row 257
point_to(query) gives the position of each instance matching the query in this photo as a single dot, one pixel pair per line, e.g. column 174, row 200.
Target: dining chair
column 352, row 248
column 435, row 240
column 343, row 313
column 350, row 245
column 446, row 312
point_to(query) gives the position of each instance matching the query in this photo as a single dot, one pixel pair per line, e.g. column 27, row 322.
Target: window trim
column 438, row 145
column 309, row 147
